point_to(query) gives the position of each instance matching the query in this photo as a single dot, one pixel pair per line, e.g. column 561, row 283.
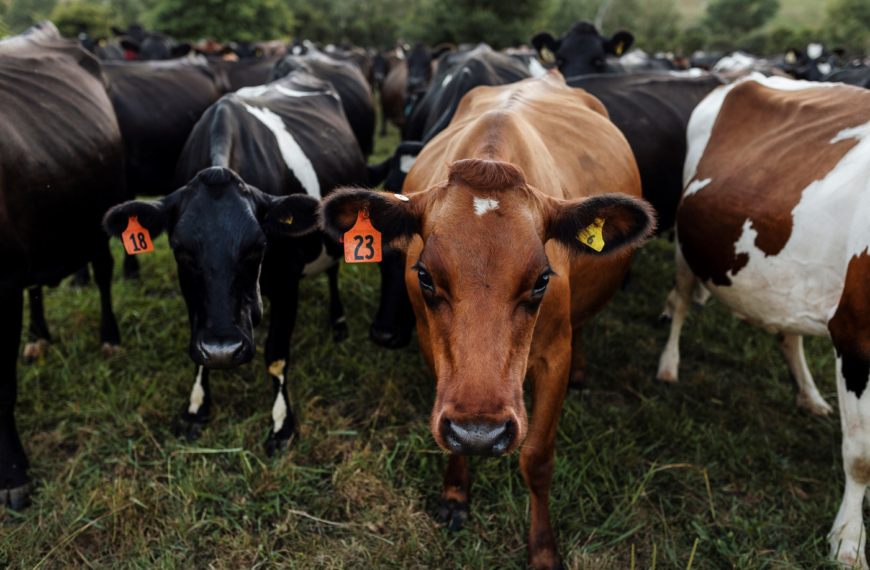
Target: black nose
column 223, row 353
column 389, row 336
column 478, row 438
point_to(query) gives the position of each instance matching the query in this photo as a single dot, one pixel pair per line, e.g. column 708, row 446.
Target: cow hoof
column 34, row 350
column 16, row 498
column 190, row 427
column 277, row 443
column 452, row 513
column 109, row 350
column 390, row 337
column 340, row 332
column 816, row 407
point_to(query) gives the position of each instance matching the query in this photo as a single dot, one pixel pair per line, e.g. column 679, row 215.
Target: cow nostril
column 478, row 438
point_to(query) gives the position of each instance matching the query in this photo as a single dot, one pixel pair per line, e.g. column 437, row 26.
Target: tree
column 74, row 18
column 21, row 14
column 848, row 22
column 223, row 20
column 739, row 16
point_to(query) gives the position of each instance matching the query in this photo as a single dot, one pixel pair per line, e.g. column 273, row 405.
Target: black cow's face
column 248, row 50
column 419, row 64
column 219, row 229
column 581, row 50
column 380, row 67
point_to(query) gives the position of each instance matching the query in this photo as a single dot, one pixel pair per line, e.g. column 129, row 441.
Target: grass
column 721, row 468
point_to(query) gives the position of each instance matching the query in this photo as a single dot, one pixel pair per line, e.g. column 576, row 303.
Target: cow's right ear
column 151, row 215
column 117, row 31
column 397, row 219
column 543, row 40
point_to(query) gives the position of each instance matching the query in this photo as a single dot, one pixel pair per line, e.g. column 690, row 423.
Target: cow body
column 350, row 84
column 58, row 175
column 247, row 72
column 773, row 222
column 858, row 76
column 242, row 225
column 484, row 204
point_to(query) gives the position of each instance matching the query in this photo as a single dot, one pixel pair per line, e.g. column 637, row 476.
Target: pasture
column 719, row 471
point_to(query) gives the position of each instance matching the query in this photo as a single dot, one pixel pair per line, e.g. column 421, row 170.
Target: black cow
column 859, row 76
column 244, row 72
column 350, row 84
column 61, row 168
column 582, row 50
column 456, row 75
column 256, row 164
column 149, row 45
column 812, row 63
column 105, row 50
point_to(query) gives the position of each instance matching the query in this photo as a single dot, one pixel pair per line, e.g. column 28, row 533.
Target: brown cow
column 491, row 223
column 775, row 223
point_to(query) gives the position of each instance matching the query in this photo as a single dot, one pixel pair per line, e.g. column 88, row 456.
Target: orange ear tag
column 136, row 238
column 362, row 244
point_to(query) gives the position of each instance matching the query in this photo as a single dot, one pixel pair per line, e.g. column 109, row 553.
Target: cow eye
column 425, row 280
column 541, row 284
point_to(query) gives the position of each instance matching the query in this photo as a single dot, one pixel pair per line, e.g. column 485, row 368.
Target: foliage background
column 763, row 27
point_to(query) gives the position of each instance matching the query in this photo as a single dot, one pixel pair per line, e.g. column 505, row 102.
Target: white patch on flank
column 484, row 205
column 323, row 262
column 260, row 90
column 797, row 290
column 406, row 161
column 197, row 394
column 535, row 68
column 293, row 155
column 814, row 51
column 695, row 186
column 447, row 80
column 824, row 68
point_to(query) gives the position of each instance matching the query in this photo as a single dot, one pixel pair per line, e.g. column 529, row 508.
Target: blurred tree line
column 726, row 25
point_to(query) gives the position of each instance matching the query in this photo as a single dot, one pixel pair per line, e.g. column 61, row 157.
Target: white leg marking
column 197, row 394
column 33, row 350
column 279, row 409
column 808, row 397
column 848, row 536
column 679, row 302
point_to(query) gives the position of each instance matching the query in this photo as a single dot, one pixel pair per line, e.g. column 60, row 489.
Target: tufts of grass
column 721, row 468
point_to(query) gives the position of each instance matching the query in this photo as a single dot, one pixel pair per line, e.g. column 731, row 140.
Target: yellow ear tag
column 547, row 55
column 593, row 235
column 619, row 48
column 288, row 220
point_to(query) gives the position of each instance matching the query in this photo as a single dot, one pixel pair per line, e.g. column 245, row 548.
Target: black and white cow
column 582, row 50
column 858, row 76
column 255, row 167
column 456, row 75
column 812, row 63
column 350, row 84
column 58, row 176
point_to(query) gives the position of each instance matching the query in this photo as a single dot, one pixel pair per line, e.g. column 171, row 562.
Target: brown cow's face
column 480, row 279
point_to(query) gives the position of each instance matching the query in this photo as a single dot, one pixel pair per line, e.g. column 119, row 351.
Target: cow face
column 480, row 280
column 581, row 50
column 419, row 64
column 219, row 229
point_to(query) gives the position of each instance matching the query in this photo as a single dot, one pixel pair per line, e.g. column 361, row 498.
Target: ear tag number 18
column 362, row 244
column 136, row 238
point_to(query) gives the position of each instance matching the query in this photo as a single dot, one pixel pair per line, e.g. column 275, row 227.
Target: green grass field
column 722, row 464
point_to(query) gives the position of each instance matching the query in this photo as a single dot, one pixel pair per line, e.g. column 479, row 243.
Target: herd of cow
column 524, row 182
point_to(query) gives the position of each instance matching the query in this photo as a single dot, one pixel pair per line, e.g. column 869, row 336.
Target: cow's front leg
column 453, row 505
column 677, row 309
column 282, row 319
column 110, row 336
column 14, row 482
column 548, row 379
column 337, row 320
column 195, row 417
column 38, row 336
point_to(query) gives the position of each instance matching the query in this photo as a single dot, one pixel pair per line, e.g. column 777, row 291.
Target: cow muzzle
column 222, row 353
column 488, row 439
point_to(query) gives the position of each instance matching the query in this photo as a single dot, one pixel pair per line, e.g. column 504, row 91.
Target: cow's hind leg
column 679, row 302
column 337, row 319
column 38, row 336
column 110, row 336
column 453, row 505
column 808, row 397
column 195, row 417
column 282, row 319
column 14, row 482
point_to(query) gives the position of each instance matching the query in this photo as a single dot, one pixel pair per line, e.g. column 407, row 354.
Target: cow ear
column 619, row 43
column 543, row 40
column 397, row 219
column 290, row 216
column 151, row 215
column 180, row 50
column 117, row 31
column 609, row 224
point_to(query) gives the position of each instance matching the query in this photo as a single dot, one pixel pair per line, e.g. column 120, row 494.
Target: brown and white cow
column 490, row 222
column 775, row 223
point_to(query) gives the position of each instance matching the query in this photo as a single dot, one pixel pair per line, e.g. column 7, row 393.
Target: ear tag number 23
column 136, row 238
column 362, row 244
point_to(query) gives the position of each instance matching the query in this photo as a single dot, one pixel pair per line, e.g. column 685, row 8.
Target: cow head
column 155, row 47
column 419, row 62
column 582, row 50
column 219, row 229
column 482, row 274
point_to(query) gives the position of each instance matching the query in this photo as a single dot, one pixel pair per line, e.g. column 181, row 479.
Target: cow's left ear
column 151, row 215
column 545, row 41
column 619, row 43
column 290, row 216
column 604, row 225
column 396, row 217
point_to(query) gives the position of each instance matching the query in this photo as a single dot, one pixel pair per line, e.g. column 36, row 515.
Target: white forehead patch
column 406, row 161
column 484, row 205
column 535, row 68
column 824, row 68
column 292, row 153
column 814, row 51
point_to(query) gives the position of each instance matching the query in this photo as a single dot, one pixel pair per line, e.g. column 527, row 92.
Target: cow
column 350, row 84
column 582, row 50
column 58, row 175
column 773, row 222
column 496, row 219
column 244, row 223
column 858, row 76
column 105, row 50
column 813, row 63
column 248, row 72
column 148, row 45
column 407, row 82
column 456, row 75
